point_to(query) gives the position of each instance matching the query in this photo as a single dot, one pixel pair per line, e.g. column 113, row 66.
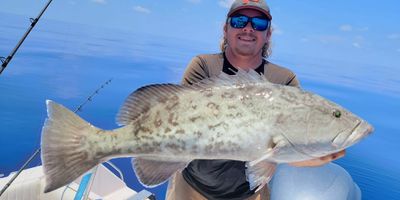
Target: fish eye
column 337, row 113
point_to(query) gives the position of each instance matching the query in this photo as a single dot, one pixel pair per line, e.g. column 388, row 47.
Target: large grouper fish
column 165, row 126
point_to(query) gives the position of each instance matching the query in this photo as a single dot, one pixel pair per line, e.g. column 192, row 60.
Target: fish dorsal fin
column 141, row 100
column 250, row 77
column 151, row 172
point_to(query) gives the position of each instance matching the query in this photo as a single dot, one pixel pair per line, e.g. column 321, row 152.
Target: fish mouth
column 361, row 130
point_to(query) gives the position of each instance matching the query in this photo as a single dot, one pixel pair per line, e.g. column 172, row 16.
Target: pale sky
column 358, row 30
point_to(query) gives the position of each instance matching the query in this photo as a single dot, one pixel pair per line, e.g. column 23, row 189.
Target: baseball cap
column 259, row 5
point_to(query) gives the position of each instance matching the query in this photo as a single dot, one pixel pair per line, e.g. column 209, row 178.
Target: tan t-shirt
column 208, row 65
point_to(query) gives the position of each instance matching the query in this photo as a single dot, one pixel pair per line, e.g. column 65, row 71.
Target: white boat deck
column 29, row 185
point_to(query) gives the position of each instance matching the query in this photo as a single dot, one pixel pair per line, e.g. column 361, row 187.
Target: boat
column 104, row 185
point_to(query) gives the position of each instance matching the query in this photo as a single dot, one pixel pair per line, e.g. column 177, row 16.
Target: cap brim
column 250, row 7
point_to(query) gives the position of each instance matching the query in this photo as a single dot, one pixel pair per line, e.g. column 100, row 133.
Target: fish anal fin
column 151, row 172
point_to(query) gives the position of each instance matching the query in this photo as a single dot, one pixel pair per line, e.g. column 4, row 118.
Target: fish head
column 336, row 128
column 331, row 128
column 311, row 126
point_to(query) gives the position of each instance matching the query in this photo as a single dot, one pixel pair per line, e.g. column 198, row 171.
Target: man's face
column 245, row 41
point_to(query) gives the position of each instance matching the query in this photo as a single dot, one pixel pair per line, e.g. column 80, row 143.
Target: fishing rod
column 7, row 60
column 89, row 98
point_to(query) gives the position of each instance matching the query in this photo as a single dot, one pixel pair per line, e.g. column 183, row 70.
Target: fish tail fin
column 64, row 146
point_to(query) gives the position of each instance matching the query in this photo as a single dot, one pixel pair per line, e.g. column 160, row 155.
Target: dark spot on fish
column 212, row 105
column 144, row 117
column 145, row 137
column 145, row 144
column 239, row 114
column 167, row 130
column 176, row 148
column 169, row 107
column 157, row 123
column 183, row 144
column 99, row 132
column 145, row 130
column 228, row 95
column 212, row 127
column 101, row 154
column 233, row 146
column 156, row 144
column 180, row 131
column 194, row 148
column 217, row 147
column 230, row 115
column 163, row 100
column 231, row 107
column 271, row 144
column 209, row 148
column 280, row 119
column 146, row 147
column 219, row 134
column 171, row 137
column 117, row 151
column 198, row 134
column 207, row 93
column 172, row 146
column 193, row 119
column 172, row 119
column 175, row 98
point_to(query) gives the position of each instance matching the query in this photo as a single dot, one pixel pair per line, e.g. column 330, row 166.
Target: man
column 246, row 42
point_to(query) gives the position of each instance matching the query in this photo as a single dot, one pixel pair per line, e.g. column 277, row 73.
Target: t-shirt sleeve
column 293, row 81
column 195, row 72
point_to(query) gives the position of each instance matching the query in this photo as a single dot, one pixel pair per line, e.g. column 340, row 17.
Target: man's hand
column 319, row 161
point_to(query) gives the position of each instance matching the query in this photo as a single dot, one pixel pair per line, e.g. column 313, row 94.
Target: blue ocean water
column 67, row 62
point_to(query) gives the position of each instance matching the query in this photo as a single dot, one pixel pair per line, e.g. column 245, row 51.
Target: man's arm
column 319, row 161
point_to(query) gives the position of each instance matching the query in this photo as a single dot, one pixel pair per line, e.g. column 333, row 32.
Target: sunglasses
column 258, row 23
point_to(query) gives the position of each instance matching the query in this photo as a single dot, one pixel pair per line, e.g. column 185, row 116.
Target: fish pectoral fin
column 259, row 174
column 151, row 172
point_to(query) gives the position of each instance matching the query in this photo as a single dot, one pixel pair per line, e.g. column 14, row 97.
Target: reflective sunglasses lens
column 239, row 21
column 260, row 24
